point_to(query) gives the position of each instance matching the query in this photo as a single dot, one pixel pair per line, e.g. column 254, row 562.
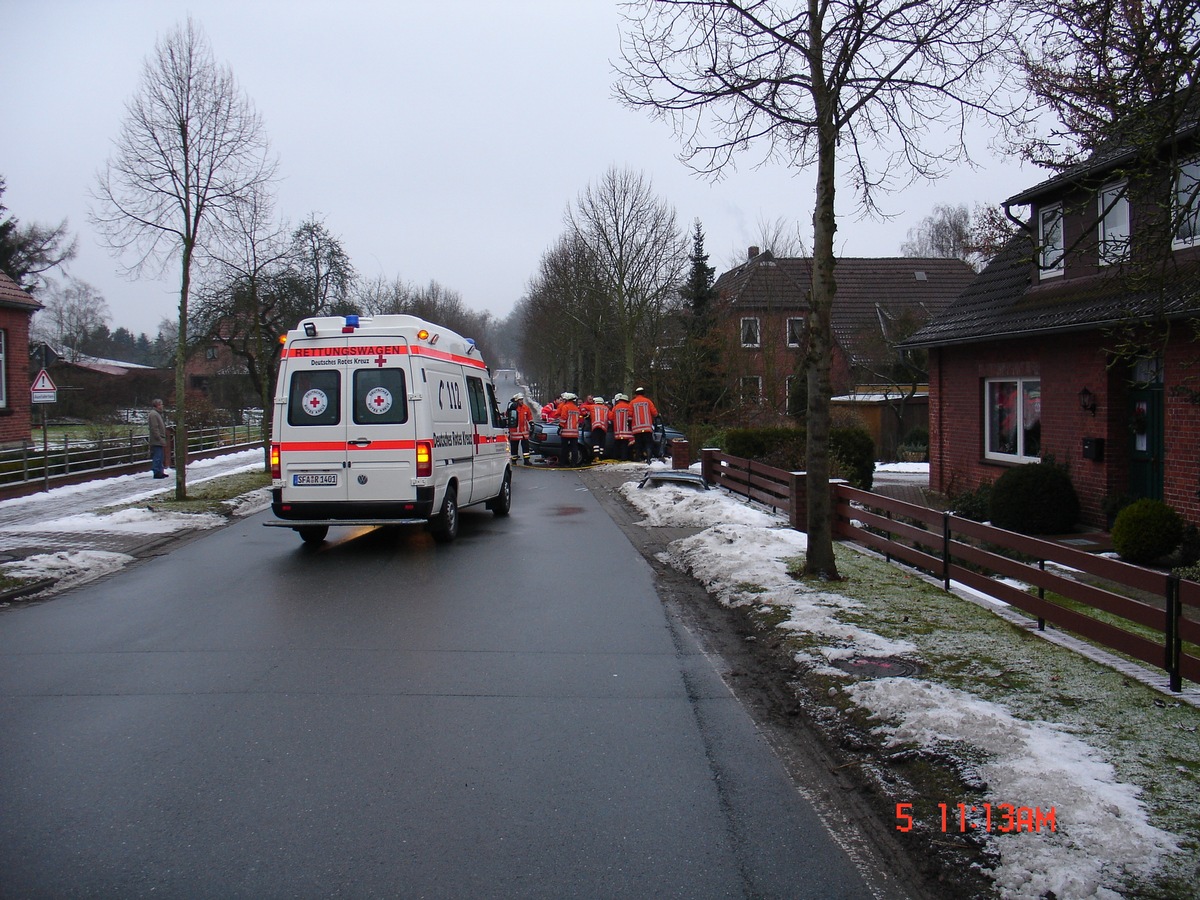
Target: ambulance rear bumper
column 374, row 512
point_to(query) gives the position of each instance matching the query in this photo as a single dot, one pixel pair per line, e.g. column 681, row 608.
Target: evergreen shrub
column 974, row 505
column 1035, row 499
column 853, row 453
column 779, row 447
column 1146, row 530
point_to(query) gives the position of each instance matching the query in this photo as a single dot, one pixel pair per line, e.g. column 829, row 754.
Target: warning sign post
column 43, row 390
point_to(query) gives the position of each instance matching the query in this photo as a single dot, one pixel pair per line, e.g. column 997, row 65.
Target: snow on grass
column 1104, row 839
column 1102, row 835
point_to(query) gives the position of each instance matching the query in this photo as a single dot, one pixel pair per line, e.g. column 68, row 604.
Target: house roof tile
column 869, row 290
column 1002, row 302
column 11, row 295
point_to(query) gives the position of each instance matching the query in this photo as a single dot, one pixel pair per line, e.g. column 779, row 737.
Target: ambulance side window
column 498, row 418
column 380, row 397
column 479, row 407
column 314, row 398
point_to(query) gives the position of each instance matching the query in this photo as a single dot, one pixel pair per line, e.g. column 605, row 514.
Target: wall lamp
column 1087, row 401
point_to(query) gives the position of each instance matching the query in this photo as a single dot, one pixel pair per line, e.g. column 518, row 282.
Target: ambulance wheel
column 444, row 525
column 312, row 534
column 502, row 502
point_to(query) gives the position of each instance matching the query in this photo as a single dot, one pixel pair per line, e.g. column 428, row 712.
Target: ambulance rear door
column 380, row 425
column 312, row 439
column 490, row 439
column 453, row 436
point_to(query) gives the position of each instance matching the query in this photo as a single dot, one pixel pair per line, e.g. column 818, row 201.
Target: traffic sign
column 43, row 390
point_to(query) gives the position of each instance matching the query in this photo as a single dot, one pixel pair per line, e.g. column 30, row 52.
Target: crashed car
column 545, row 441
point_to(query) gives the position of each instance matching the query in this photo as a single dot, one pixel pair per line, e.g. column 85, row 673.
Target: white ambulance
column 384, row 420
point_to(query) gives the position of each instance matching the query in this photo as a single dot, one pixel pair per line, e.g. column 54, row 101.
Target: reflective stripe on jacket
column 622, row 421
column 568, row 415
column 521, row 430
column 599, row 414
column 644, row 413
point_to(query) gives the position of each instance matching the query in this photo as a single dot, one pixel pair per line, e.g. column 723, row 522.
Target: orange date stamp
column 1002, row 818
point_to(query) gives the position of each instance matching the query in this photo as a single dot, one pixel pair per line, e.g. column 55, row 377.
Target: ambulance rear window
column 380, row 397
column 314, row 398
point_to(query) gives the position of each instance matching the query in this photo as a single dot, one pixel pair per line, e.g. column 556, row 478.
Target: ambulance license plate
column 321, row 480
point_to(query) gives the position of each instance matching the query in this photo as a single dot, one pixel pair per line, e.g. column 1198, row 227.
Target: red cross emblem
column 381, row 360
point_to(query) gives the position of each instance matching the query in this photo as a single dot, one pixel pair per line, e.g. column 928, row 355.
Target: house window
column 797, row 396
column 3, row 368
column 750, row 333
column 1013, row 420
column 795, row 332
column 1186, row 204
column 751, row 386
column 210, row 352
column 1114, row 224
column 1050, row 239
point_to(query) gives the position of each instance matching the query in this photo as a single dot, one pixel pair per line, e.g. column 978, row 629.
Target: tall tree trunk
column 820, row 560
column 181, row 435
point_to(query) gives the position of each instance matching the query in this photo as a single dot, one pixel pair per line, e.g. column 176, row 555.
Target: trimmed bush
column 779, row 447
column 975, row 505
column 853, row 453
column 1035, row 499
column 1146, row 530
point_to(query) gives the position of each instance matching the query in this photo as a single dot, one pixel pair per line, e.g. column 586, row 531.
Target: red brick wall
column 1065, row 364
column 15, row 414
column 1181, row 396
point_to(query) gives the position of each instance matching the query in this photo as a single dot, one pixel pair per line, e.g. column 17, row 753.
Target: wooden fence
column 29, row 469
column 1162, row 628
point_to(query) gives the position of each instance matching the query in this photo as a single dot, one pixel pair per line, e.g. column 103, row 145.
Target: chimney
column 752, row 252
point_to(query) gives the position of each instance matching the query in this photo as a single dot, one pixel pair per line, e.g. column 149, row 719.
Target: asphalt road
column 511, row 715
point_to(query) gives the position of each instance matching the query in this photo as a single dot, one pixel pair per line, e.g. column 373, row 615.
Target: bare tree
column 325, row 276
column 824, row 84
column 639, row 253
column 191, row 149
column 944, row 234
column 1110, row 69
column 238, row 311
column 71, row 312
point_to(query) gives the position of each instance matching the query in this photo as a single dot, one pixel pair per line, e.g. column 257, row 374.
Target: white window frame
column 3, row 368
column 755, row 383
column 789, row 388
column 1112, row 211
column 1186, row 215
column 757, row 342
column 1024, row 409
column 799, row 331
column 1050, row 220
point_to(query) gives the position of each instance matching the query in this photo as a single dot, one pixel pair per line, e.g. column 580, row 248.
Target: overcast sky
column 439, row 141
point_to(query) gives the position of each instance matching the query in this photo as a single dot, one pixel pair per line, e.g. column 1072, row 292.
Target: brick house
column 1081, row 341
column 16, row 311
column 764, row 308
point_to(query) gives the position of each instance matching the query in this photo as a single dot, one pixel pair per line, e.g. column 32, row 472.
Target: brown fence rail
column 29, row 469
column 1158, row 625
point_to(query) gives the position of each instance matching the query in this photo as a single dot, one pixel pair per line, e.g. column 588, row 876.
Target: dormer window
column 1185, row 206
column 1050, row 240
column 1113, row 212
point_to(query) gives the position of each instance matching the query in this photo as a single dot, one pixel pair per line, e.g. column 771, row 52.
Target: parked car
column 545, row 441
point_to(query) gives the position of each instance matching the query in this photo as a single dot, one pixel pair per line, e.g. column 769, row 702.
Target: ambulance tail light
column 276, row 468
column 424, row 459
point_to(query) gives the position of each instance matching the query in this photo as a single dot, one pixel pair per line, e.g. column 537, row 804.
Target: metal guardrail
column 32, row 467
column 971, row 553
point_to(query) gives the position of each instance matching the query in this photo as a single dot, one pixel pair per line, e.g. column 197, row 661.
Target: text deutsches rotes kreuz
column 454, row 439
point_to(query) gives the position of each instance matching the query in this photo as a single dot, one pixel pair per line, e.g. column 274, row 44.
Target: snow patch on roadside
column 1102, row 834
